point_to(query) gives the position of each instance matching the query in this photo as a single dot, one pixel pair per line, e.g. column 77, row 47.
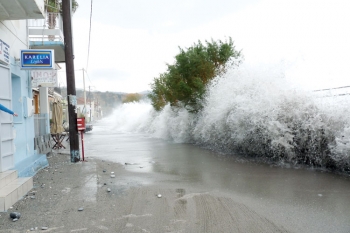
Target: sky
column 132, row 41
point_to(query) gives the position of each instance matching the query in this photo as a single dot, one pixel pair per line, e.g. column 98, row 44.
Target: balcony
column 48, row 34
column 21, row 9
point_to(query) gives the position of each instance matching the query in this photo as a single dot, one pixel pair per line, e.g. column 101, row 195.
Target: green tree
column 55, row 6
column 184, row 82
column 131, row 97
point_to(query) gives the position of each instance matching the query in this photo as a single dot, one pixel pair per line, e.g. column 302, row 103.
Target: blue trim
column 46, row 43
column 30, row 166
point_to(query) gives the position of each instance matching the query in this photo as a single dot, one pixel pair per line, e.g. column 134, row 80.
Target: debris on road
column 15, row 215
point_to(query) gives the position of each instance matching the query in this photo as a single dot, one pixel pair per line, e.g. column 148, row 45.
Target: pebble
column 112, row 172
column 32, row 197
column 112, row 176
column 80, row 209
column 15, row 215
column 32, row 229
column 44, row 228
column 104, row 183
column 15, row 220
column 108, row 190
column 104, row 170
column 159, row 195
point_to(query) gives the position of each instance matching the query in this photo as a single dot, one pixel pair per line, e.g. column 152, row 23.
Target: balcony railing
column 48, row 29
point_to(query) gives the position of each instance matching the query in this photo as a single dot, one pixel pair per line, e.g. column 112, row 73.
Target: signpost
column 44, row 78
column 37, row 59
column 81, row 128
column 4, row 53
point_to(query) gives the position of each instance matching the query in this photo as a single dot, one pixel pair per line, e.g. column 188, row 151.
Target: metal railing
column 43, row 27
column 332, row 92
column 41, row 122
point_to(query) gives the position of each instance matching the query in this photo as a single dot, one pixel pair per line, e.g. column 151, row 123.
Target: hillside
column 107, row 100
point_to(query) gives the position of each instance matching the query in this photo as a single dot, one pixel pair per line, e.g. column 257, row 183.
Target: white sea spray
column 255, row 112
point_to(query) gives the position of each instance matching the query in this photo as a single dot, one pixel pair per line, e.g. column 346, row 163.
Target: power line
column 328, row 89
column 87, row 61
column 88, row 77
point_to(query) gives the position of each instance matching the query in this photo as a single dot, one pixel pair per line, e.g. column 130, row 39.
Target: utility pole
column 71, row 91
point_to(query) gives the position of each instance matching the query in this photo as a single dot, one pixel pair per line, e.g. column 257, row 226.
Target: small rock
column 108, row 190
column 141, row 167
column 105, row 184
column 159, row 195
column 44, row 228
column 32, row 229
column 80, row 209
column 112, row 172
column 14, row 215
column 15, row 220
column 112, row 176
column 104, row 170
column 32, row 197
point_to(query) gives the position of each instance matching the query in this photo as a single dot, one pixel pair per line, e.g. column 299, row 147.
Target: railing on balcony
column 48, row 29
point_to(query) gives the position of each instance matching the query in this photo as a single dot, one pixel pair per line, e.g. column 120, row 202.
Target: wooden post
column 71, row 91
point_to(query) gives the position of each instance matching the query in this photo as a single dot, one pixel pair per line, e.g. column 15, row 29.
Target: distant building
column 87, row 110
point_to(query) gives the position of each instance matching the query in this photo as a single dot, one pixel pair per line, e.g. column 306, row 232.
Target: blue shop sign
column 37, row 59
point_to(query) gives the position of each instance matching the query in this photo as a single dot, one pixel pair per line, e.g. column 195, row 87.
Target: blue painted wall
column 26, row 158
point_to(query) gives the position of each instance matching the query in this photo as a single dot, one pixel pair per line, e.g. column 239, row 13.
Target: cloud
column 132, row 41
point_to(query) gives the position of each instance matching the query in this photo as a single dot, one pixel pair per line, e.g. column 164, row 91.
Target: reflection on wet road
column 315, row 201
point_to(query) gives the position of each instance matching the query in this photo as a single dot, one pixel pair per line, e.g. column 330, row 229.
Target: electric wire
column 88, row 77
column 88, row 55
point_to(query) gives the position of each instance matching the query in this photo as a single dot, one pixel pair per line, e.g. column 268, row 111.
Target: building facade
column 19, row 159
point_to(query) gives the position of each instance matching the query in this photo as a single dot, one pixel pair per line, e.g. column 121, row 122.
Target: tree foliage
column 55, row 6
column 184, row 82
column 131, row 97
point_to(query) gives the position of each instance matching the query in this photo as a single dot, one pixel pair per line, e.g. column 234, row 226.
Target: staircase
column 13, row 188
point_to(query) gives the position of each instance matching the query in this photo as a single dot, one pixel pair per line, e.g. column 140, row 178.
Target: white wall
column 14, row 33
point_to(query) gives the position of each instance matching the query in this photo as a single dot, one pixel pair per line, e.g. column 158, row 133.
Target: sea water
column 256, row 113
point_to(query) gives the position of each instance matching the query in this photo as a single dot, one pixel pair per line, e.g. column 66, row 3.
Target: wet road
column 298, row 199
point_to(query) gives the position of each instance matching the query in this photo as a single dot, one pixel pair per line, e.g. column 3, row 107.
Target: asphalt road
column 200, row 191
